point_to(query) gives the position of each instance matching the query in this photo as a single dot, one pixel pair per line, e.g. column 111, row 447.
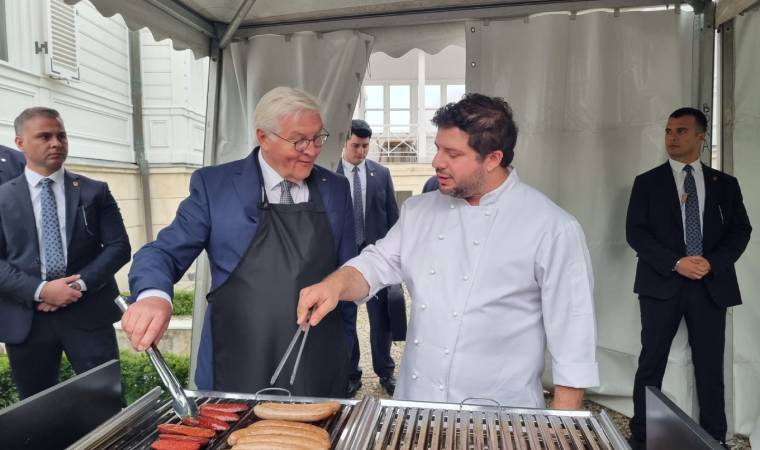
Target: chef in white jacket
column 497, row 274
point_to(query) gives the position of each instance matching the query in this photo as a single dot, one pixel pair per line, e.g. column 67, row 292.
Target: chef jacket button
column 440, row 387
column 440, row 237
column 416, row 342
column 455, row 314
column 414, row 376
column 446, row 351
column 488, row 213
column 432, row 271
column 423, row 306
column 476, row 242
column 451, row 207
column 465, row 278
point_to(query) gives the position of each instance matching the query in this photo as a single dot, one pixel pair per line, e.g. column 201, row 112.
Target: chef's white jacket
column 492, row 287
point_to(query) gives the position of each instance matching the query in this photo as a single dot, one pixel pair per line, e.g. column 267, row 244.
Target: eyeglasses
column 302, row 144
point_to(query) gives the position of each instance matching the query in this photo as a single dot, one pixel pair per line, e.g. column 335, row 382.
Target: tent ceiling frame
column 189, row 17
column 498, row 11
column 237, row 19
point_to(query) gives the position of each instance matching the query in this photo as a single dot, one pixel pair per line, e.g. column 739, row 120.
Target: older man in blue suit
column 375, row 212
column 271, row 223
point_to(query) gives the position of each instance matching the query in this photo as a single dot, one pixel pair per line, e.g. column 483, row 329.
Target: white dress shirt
column 492, row 287
column 699, row 180
column 348, row 171
column 299, row 191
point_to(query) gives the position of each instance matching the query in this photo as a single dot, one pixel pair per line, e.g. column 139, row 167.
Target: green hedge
column 183, row 302
column 137, row 373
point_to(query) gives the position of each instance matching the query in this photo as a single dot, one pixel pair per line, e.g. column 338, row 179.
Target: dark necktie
column 55, row 263
column 358, row 208
column 692, row 228
column 285, row 196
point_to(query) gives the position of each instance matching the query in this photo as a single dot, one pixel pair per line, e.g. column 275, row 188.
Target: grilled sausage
column 225, row 407
column 302, row 412
column 279, row 442
column 269, row 446
column 278, row 434
column 163, row 444
column 282, row 426
column 180, row 437
column 170, row 428
column 224, row 416
column 290, row 424
column 212, row 424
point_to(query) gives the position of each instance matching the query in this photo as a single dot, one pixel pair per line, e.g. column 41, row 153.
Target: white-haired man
column 271, row 223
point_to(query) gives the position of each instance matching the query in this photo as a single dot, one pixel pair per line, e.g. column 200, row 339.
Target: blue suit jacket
column 221, row 216
column 97, row 246
column 381, row 211
column 12, row 164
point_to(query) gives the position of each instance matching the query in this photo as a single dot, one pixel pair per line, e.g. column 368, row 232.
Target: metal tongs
column 305, row 328
column 183, row 406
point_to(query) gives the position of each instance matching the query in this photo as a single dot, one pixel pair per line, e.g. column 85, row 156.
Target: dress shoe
column 636, row 444
column 389, row 384
column 353, row 387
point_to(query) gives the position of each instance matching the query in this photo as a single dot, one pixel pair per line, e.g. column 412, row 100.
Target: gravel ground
column 371, row 386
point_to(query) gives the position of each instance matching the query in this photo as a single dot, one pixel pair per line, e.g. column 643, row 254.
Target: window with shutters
column 61, row 55
column 3, row 33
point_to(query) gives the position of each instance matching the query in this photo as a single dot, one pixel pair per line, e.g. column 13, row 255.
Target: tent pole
column 210, row 157
column 704, row 67
column 237, row 19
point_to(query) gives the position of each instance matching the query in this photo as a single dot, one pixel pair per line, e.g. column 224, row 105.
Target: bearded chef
column 497, row 274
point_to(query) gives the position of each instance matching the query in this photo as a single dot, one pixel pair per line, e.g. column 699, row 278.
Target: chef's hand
column 146, row 321
column 58, row 292
column 322, row 296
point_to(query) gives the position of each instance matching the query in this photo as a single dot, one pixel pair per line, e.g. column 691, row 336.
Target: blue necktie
column 692, row 228
column 285, row 196
column 358, row 208
column 55, row 263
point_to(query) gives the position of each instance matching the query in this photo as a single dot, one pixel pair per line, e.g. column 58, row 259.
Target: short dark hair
column 360, row 128
column 488, row 121
column 698, row 116
column 35, row 111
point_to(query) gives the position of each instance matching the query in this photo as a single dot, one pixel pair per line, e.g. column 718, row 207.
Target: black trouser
column 35, row 363
column 706, row 324
column 380, row 338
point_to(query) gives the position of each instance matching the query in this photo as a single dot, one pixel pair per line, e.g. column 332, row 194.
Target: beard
column 468, row 187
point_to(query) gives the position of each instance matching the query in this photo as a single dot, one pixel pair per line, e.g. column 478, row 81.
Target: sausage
column 302, row 412
column 189, row 421
column 278, row 443
column 170, row 428
column 224, row 416
column 180, row 437
column 283, row 427
column 212, row 424
column 280, row 435
column 225, row 407
column 163, row 444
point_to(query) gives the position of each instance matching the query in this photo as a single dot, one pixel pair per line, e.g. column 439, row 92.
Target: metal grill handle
column 182, row 405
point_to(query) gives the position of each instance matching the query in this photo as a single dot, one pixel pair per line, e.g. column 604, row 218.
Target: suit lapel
column 709, row 219
column 21, row 192
column 372, row 184
column 72, row 191
column 248, row 186
column 670, row 193
column 340, row 167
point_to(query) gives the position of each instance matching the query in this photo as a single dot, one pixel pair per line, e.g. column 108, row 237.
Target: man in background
column 62, row 239
column 11, row 164
column 375, row 212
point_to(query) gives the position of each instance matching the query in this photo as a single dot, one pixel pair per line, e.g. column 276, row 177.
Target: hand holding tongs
column 292, row 344
column 183, row 406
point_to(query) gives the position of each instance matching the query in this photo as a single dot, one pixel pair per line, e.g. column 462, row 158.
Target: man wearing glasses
column 271, row 224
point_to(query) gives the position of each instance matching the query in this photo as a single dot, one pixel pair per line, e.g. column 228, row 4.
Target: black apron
column 253, row 316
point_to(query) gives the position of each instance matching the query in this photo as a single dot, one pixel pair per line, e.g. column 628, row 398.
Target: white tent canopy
column 591, row 98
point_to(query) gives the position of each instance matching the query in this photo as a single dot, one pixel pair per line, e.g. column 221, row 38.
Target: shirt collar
column 33, row 178
column 348, row 167
column 493, row 196
column 678, row 166
column 271, row 178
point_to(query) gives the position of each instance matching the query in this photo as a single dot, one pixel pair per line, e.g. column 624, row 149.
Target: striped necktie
column 55, row 263
column 358, row 208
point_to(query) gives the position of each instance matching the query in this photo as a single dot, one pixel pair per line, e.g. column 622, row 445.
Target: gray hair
column 280, row 102
column 30, row 113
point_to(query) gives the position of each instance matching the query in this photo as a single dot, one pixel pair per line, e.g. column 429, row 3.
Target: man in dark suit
column 11, row 164
column 62, row 239
column 688, row 226
column 375, row 211
column 271, row 223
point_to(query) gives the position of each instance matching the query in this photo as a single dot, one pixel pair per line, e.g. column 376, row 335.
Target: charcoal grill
column 372, row 424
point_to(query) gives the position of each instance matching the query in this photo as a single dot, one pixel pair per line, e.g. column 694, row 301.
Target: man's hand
column 567, row 398
column 324, row 295
column 58, row 292
column 146, row 321
column 44, row 307
column 693, row 267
